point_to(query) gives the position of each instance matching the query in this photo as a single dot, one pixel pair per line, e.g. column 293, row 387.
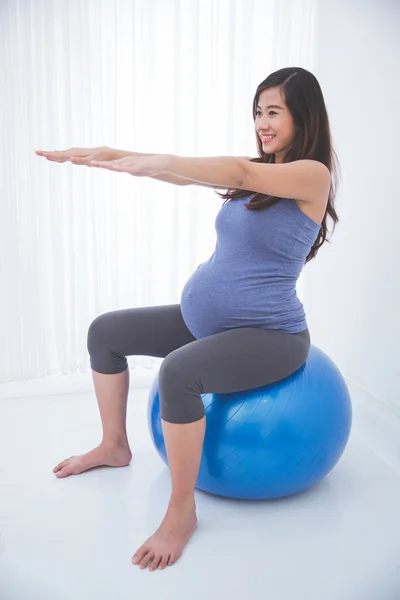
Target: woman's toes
column 60, row 465
column 64, row 472
column 139, row 555
column 164, row 562
column 155, row 563
column 145, row 560
column 173, row 558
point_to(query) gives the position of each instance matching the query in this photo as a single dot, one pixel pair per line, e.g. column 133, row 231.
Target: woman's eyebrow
column 271, row 106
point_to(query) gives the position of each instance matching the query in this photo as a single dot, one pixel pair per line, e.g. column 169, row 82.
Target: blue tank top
column 250, row 279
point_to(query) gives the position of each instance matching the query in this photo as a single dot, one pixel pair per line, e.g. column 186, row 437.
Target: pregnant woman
column 239, row 324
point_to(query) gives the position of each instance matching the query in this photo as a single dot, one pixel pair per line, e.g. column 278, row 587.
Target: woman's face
column 273, row 117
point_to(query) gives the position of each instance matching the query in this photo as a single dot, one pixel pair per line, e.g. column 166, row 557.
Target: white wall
column 352, row 290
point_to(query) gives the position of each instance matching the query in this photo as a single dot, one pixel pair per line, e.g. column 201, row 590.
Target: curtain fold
column 160, row 76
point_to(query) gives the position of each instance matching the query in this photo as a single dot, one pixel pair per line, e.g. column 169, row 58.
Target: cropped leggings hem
column 230, row 361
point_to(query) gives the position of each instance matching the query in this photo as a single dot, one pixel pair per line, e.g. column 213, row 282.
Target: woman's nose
column 263, row 125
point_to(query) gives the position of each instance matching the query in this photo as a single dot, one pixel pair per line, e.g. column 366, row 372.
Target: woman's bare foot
column 104, row 455
column 165, row 546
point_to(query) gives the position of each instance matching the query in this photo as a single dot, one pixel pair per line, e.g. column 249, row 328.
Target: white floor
column 73, row 539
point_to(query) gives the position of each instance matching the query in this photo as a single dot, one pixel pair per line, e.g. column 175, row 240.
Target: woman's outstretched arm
column 167, row 177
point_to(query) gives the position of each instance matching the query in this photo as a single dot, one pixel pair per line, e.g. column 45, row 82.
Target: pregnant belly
column 211, row 304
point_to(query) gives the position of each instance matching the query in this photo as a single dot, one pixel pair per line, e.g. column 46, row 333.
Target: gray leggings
column 231, row 361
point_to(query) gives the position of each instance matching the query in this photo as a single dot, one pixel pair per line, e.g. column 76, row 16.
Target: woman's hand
column 80, row 156
column 141, row 166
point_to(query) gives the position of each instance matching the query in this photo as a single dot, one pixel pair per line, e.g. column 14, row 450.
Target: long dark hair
column 303, row 96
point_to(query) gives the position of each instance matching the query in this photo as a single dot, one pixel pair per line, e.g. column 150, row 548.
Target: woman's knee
column 180, row 400
column 105, row 357
column 97, row 333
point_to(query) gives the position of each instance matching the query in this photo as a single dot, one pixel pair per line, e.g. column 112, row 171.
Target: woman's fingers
column 55, row 154
column 105, row 163
column 120, row 163
column 62, row 155
column 82, row 156
column 79, row 157
column 81, row 160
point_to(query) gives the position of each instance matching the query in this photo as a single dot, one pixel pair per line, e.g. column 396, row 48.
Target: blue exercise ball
column 272, row 441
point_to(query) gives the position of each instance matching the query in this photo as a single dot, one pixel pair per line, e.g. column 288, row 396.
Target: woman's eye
column 270, row 112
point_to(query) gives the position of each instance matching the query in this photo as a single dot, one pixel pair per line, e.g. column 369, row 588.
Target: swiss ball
column 272, row 441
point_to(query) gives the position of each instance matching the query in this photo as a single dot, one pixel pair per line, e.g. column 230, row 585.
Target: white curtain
column 159, row 76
